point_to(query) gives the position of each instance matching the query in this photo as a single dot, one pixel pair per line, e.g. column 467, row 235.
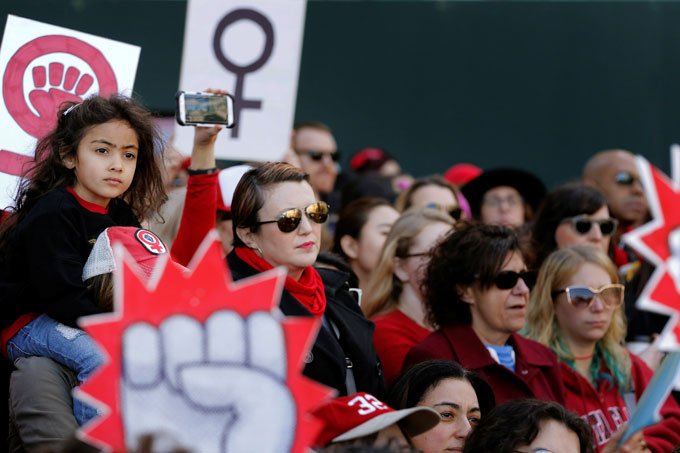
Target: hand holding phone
column 204, row 109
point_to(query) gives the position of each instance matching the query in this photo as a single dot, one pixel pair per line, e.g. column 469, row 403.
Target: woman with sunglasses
column 576, row 311
column 277, row 222
column 569, row 215
column 434, row 192
column 477, row 291
column 393, row 297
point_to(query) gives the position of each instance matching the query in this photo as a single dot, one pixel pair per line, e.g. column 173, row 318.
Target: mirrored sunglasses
column 317, row 156
column 583, row 223
column 583, row 296
column 290, row 219
column 454, row 212
column 625, row 178
column 508, row 279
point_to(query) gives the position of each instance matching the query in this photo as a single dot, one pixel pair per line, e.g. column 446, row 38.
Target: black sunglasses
column 317, row 156
column 583, row 223
column 625, row 178
column 508, row 279
column 454, row 212
column 290, row 219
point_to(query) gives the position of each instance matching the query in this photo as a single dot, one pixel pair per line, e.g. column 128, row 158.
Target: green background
column 539, row 85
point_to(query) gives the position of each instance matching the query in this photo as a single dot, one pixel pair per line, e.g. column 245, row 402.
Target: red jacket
column 394, row 336
column 198, row 216
column 537, row 370
column 605, row 409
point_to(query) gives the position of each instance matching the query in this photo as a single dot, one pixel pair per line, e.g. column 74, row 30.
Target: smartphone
column 204, row 109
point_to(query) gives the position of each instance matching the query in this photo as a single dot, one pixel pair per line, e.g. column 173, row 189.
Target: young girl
column 98, row 168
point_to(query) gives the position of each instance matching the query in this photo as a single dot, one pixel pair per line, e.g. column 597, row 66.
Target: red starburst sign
column 658, row 241
column 211, row 364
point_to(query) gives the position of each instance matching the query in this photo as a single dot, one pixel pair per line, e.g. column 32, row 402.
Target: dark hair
column 249, row 193
column 411, row 387
column 518, row 422
column 352, row 219
column 566, row 201
column 404, row 200
column 48, row 172
column 472, row 253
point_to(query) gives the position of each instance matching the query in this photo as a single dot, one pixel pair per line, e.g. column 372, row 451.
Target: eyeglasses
column 508, row 279
column 583, row 223
column 453, row 211
column 625, row 178
column 290, row 219
column 317, row 156
column 495, row 202
column 583, row 296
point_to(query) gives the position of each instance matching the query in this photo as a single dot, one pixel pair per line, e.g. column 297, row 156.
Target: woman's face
column 552, row 436
column 297, row 249
column 497, row 313
column 372, row 237
column 502, row 205
column 584, row 326
column 411, row 269
column 456, row 402
column 566, row 235
column 434, row 196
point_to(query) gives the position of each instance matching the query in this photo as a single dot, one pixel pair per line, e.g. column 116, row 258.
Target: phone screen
column 200, row 108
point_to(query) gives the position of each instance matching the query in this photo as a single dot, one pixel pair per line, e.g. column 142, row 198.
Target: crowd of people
column 470, row 311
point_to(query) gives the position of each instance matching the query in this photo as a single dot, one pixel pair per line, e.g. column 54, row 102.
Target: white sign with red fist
column 251, row 48
column 43, row 66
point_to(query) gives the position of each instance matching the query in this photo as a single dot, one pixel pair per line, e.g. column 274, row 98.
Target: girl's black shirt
column 41, row 270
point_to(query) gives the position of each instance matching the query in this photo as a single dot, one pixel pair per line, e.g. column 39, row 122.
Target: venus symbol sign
column 240, row 102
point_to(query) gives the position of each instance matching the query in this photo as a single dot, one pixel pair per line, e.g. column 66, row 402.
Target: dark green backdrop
column 541, row 85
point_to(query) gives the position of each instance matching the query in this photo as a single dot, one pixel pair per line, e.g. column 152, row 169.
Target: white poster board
column 251, row 48
column 42, row 66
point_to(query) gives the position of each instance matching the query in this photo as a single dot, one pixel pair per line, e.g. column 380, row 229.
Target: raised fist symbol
column 63, row 87
column 215, row 387
column 52, row 84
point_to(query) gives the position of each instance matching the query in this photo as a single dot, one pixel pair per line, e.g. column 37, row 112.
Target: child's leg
column 71, row 347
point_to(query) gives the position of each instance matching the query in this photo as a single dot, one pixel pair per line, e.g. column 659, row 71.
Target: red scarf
column 309, row 290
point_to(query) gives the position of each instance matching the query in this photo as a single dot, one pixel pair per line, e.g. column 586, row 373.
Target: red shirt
column 537, row 372
column 605, row 409
column 394, row 336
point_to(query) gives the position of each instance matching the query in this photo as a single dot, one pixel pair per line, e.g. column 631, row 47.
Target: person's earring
column 259, row 250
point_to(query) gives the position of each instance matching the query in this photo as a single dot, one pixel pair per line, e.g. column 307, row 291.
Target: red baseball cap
column 143, row 245
column 362, row 414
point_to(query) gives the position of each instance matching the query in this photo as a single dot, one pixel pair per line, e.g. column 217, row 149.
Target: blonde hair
column 383, row 289
column 542, row 324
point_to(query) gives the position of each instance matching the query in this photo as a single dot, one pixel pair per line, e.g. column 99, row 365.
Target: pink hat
column 460, row 174
column 362, row 414
column 227, row 181
column 144, row 246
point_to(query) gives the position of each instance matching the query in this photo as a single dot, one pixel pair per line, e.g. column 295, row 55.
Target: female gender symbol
column 241, row 71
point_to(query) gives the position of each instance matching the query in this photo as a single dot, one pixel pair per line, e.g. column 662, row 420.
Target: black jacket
column 41, row 268
column 328, row 360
